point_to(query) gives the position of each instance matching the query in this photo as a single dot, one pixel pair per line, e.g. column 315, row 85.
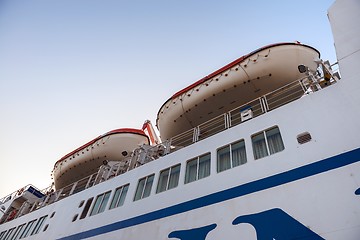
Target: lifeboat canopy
column 116, row 145
column 239, row 82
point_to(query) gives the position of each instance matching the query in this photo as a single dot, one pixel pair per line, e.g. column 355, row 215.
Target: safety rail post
column 34, row 206
column 167, row 145
column 89, row 181
column 46, row 200
column 196, row 134
column 58, row 194
column 73, row 188
column 263, row 104
column 227, row 122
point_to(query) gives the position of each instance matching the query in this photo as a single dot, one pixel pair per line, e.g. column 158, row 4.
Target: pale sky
column 73, row 70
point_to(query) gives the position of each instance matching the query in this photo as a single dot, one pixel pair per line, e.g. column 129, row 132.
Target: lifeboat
column 116, row 145
column 245, row 79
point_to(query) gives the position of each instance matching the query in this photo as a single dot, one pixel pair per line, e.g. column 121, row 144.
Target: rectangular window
column 17, row 232
column 100, row 203
column 197, row 168
column 119, row 196
column 223, row 159
column 144, row 187
column 7, row 236
column 27, row 229
column 169, row 178
column 86, row 208
column 231, row 156
column 38, row 225
column 2, row 234
column 267, row 142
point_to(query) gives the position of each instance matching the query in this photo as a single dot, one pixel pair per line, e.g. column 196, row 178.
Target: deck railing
column 256, row 107
column 259, row 106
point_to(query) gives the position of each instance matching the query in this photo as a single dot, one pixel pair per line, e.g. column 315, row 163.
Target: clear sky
column 73, row 70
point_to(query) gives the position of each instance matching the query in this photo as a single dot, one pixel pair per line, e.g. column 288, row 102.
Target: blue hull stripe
column 322, row 166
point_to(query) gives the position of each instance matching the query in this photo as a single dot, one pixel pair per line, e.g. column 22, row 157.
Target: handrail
column 259, row 106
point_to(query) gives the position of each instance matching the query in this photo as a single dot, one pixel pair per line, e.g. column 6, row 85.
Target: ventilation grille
column 304, row 138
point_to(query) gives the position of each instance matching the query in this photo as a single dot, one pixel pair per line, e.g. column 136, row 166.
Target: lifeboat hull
column 116, row 145
column 239, row 82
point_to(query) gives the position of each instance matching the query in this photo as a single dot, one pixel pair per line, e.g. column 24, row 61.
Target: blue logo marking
column 193, row 234
column 299, row 173
column 270, row 224
column 277, row 224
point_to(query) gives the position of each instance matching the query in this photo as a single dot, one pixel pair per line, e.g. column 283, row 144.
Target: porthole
column 81, row 203
column 52, row 215
column 75, row 217
column 46, row 227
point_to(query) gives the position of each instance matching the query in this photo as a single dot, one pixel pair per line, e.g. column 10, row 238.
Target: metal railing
column 259, row 106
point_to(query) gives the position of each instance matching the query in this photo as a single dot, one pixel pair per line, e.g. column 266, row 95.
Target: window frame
column 198, row 163
column 29, row 227
column 116, row 200
column 266, row 137
column 8, row 234
column 230, row 152
column 18, row 231
column 146, row 187
column 100, row 206
column 38, row 225
column 170, row 174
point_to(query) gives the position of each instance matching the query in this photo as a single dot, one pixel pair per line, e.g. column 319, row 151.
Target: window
column 119, row 196
column 38, row 225
column 7, row 236
column 168, row 179
column 267, row 142
column 197, row 168
column 27, row 229
column 17, row 232
column 144, row 187
column 2, row 234
column 86, row 208
column 231, row 156
column 100, row 203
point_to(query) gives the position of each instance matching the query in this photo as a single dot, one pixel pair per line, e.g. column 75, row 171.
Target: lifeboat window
column 169, row 178
column 231, row 155
column 144, row 187
column 197, row 168
column 100, row 203
column 38, row 225
column 119, row 196
column 86, row 208
column 267, row 142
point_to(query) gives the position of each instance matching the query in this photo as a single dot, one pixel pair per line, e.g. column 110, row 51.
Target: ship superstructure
column 282, row 164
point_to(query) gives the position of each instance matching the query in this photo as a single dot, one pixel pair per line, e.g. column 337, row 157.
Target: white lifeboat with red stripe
column 245, row 79
column 116, row 145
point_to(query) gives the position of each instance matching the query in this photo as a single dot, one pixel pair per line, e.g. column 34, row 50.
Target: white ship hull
column 309, row 189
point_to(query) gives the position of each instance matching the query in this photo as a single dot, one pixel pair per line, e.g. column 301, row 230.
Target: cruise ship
column 266, row 147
